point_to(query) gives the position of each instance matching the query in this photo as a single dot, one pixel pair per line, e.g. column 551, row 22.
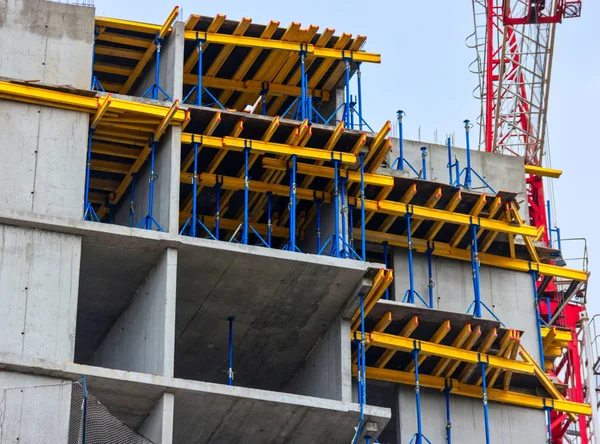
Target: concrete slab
column 212, row 413
column 282, row 302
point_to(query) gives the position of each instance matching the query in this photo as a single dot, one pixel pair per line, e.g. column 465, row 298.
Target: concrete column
column 39, row 279
column 166, row 187
column 158, row 426
column 47, row 42
column 171, row 66
column 338, row 97
column 143, row 338
column 326, row 372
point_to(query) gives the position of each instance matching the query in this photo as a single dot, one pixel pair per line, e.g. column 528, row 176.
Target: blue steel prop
column 132, row 201
column 361, row 373
column 153, row 92
column 552, row 230
column 538, row 318
column 448, row 422
column 291, row 246
column 385, row 262
column 400, row 162
column 409, row 295
column 88, row 210
column 477, row 303
column 85, row 405
column 468, row 171
column 218, row 187
column 194, row 220
column 339, row 247
column 431, row 282
column 486, row 416
column 148, row 220
column 230, row 319
column 245, row 225
column 418, row 437
column 96, row 85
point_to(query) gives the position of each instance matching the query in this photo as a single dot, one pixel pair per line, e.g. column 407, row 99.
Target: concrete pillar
column 326, row 372
column 338, row 97
column 33, row 37
column 143, row 338
column 166, row 187
column 39, row 279
column 171, row 66
column 158, row 426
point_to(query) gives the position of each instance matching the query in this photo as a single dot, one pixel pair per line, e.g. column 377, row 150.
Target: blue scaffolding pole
column 538, row 318
column 448, row 422
column 431, row 282
column 88, row 210
column 318, row 201
column 85, row 405
column 269, row 221
column 468, row 171
column 193, row 220
column 477, row 303
column 400, row 162
column 292, row 172
column 149, row 219
column 418, row 437
column 363, row 236
column 218, row 186
column 385, row 262
column 245, row 225
column 486, row 416
column 451, row 165
column 409, row 295
column 199, row 88
column 230, row 319
column 361, row 375
column 132, row 200
column 153, row 91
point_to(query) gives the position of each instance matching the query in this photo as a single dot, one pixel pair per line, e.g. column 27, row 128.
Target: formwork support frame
column 153, row 91
column 148, row 221
column 409, row 295
column 468, row 171
column 418, row 437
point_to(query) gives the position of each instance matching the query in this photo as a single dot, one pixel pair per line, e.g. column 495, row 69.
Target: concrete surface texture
column 508, row 424
column 501, row 172
column 46, row 174
column 33, row 38
column 158, row 426
column 206, row 412
column 39, row 277
column 143, row 337
column 282, row 302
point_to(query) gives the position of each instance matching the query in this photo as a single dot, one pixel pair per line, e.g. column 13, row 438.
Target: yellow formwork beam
column 238, row 144
column 141, row 64
column 328, row 172
column 381, row 282
column 160, row 130
column 252, row 86
column 450, row 207
column 460, row 233
column 473, row 391
column 103, row 106
column 383, row 323
column 137, row 42
column 399, row 343
column 255, row 42
column 127, row 25
column 445, row 250
column 406, row 331
column 437, row 337
column 543, row 172
column 82, row 103
column 458, row 342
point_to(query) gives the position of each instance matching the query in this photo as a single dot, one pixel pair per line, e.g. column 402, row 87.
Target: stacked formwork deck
column 211, row 213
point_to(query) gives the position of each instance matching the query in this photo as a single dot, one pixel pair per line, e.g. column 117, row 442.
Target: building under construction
column 203, row 239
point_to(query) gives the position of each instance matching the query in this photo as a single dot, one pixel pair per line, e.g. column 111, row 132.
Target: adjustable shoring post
column 468, row 179
column 346, row 117
column 400, row 114
column 269, row 221
column 410, row 294
column 350, row 225
column 292, row 172
column 318, row 224
column 199, row 86
column 385, row 262
column 152, row 91
column 475, row 272
column 230, row 369
column 303, row 99
column 194, row 192
column 336, row 197
column 218, row 186
column 450, row 164
column 84, row 419
column 263, row 95
column 96, row 85
column 363, row 240
column 343, row 210
column 149, row 219
column 448, row 422
column 431, row 283
column 132, row 202
column 246, row 192
column 485, row 403
column 418, row 437
column 548, row 411
column 361, row 370
column 88, row 210
column 359, row 98
column 423, row 163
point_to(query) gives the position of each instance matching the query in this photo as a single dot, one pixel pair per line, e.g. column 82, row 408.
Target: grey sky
column 424, row 71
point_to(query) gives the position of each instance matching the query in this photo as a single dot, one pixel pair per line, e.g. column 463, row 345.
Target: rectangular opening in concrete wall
column 114, row 268
column 282, row 302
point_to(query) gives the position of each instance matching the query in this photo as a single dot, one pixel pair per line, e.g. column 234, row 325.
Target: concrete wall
column 158, row 426
column 39, row 279
column 171, row 67
column 44, row 157
column 143, row 339
column 33, row 38
column 509, row 294
column 508, row 424
column 326, row 372
column 501, row 172
column 33, row 409
column 166, row 187
column 328, row 213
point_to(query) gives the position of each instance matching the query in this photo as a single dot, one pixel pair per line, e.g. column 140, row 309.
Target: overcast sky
column 424, row 71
